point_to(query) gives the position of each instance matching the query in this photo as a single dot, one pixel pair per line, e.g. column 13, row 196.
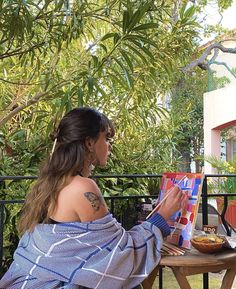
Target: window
column 233, row 150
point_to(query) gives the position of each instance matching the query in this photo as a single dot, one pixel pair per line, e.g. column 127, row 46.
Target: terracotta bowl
column 208, row 243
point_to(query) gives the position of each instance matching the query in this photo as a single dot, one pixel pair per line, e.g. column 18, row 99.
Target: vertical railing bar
column 205, row 280
column 160, row 275
column 204, row 203
column 1, row 232
column 223, row 216
column 205, row 222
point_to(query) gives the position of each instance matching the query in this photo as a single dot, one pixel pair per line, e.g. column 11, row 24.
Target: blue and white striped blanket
column 98, row 254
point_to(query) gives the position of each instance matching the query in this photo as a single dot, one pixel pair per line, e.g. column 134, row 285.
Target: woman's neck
column 87, row 171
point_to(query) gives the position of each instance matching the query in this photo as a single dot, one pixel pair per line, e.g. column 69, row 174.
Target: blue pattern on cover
column 98, row 254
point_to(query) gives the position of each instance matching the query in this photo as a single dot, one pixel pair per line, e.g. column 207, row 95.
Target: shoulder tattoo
column 95, row 200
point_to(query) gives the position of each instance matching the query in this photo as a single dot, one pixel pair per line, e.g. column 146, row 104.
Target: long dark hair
column 66, row 160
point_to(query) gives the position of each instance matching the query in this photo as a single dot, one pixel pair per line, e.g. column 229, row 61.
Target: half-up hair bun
column 69, row 148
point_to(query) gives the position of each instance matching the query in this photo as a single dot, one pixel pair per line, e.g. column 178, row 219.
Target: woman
column 70, row 240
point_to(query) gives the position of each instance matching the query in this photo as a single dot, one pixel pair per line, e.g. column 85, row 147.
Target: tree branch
column 19, row 83
column 4, row 119
column 202, row 60
column 174, row 16
column 19, row 51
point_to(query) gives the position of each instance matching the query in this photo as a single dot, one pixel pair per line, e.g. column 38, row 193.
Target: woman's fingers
column 176, row 192
column 175, row 201
column 184, row 202
column 180, row 198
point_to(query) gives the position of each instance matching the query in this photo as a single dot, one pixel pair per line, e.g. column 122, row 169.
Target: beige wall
column 219, row 112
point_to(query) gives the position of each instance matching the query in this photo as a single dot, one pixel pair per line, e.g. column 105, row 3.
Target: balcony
column 127, row 210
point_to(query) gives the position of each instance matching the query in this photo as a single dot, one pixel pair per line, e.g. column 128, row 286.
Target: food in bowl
column 208, row 243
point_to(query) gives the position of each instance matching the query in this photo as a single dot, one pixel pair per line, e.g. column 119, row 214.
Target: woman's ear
column 89, row 143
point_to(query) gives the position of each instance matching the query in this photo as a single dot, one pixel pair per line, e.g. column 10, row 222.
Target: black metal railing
column 125, row 216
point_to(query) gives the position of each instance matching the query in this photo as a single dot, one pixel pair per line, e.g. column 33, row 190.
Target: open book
column 182, row 223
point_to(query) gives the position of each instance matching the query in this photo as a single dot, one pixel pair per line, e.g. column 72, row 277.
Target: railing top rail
column 220, row 175
column 107, row 197
column 221, row 195
column 128, row 197
column 11, row 201
column 2, row 178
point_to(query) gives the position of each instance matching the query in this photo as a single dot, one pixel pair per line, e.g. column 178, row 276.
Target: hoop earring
column 53, row 148
column 91, row 161
column 91, row 168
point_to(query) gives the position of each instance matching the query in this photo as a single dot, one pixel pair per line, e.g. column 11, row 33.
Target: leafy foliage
column 115, row 56
column 187, row 117
column 122, row 57
column 223, row 184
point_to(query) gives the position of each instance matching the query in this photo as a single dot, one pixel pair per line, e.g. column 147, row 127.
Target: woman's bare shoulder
column 81, row 183
column 86, row 199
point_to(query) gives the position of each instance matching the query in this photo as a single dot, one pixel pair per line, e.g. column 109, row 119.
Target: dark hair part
column 66, row 161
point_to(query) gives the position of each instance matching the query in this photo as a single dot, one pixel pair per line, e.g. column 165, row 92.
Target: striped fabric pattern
column 98, row 254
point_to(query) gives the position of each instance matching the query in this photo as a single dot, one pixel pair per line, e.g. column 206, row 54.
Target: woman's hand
column 176, row 200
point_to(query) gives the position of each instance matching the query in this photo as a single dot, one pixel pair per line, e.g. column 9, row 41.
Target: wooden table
column 194, row 262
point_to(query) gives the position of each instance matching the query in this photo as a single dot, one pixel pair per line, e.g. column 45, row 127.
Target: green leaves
column 126, row 20
column 188, row 17
column 132, row 18
column 121, row 56
column 108, row 35
column 23, row 25
column 146, row 26
column 127, row 58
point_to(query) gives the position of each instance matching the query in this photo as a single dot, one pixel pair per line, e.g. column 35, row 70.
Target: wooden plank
column 194, row 258
column 148, row 283
column 228, row 279
column 181, row 279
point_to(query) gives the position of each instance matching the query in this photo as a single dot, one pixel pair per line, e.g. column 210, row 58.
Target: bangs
column 107, row 126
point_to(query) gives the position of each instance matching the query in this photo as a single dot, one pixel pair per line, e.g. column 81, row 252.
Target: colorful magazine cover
column 182, row 223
